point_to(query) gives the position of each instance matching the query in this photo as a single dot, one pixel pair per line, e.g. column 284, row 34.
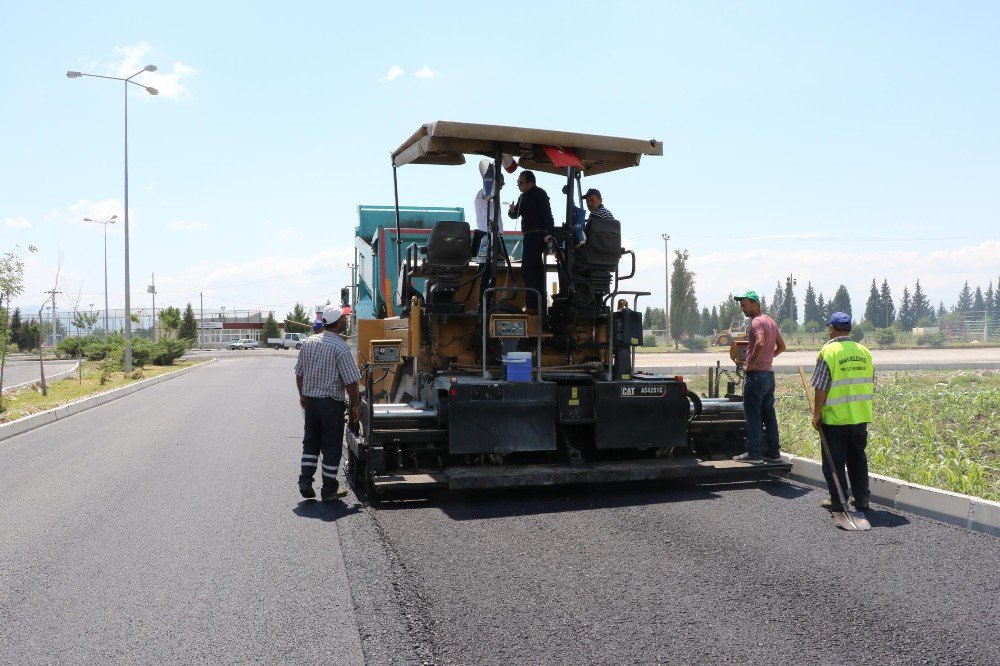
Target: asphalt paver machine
column 463, row 388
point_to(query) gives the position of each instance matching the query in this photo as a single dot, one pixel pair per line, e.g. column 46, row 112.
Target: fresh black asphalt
column 166, row 527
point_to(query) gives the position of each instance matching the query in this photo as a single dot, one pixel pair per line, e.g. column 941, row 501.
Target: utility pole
column 201, row 322
column 666, row 281
column 53, row 292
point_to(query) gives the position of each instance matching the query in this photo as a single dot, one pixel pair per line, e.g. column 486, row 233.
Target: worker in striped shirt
column 325, row 370
column 595, row 204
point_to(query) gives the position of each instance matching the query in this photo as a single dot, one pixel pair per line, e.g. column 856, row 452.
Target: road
column 884, row 359
column 21, row 370
column 167, row 527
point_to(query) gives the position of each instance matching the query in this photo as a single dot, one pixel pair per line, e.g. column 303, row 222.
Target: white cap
column 331, row 314
column 484, row 166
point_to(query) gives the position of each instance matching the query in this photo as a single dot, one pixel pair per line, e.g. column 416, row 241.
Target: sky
column 835, row 142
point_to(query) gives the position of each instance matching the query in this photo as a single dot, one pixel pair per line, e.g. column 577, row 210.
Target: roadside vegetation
column 93, row 378
column 935, row 428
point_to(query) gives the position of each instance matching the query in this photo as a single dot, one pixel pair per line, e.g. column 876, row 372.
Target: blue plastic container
column 518, row 366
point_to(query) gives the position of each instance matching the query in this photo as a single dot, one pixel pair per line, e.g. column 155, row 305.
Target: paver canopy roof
column 446, row 142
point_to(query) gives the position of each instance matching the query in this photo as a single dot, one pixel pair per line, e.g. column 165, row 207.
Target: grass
column 935, row 428
column 29, row 400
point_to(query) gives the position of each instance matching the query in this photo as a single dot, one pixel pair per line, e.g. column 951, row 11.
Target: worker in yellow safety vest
column 844, row 380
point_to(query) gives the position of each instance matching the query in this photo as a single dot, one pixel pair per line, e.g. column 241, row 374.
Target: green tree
column 906, row 319
column 298, row 320
column 716, row 324
column 922, row 309
column 841, row 301
column 11, row 285
column 824, row 310
column 683, row 303
column 189, row 327
column 964, row 299
column 729, row 310
column 270, row 329
column 810, row 308
column 84, row 321
column 654, row 319
column 888, row 309
column 777, row 304
column 873, row 308
column 170, row 319
column 978, row 302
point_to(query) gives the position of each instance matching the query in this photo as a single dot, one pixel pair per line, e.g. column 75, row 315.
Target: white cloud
column 95, row 210
column 286, row 234
column 167, row 82
column 19, row 223
column 181, row 225
column 394, row 73
column 425, row 73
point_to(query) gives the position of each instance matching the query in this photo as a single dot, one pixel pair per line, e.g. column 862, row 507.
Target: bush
column 857, row 334
column 935, row 340
column 70, row 347
column 649, row 341
column 142, row 351
column 885, row 337
column 165, row 352
column 96, row 350
column 695, row 343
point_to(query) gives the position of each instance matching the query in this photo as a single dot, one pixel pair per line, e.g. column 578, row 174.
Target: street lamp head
column 73, row 75
column 152, row 91
column 150, row 68
column 87, row 219
column 113, row 218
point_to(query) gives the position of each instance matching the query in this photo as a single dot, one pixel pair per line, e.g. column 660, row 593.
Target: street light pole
column 111, row 220
column 666, row 282
column 151, row 91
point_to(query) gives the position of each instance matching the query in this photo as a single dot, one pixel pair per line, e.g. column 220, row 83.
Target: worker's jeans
column 847, row 447
column 758, row 408
column 324, row 433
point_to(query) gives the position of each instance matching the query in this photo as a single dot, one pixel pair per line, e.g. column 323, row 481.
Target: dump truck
column 463, row 388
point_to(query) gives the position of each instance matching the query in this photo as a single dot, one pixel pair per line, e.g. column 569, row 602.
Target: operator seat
column 448, row 252
column 598, row 260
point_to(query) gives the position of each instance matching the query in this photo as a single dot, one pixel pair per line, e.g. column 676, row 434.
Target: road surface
column 166, row 527
column 20, row 371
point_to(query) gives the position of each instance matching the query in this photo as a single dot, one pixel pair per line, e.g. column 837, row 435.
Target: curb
column 14, row 428
column 58, row 375
column 944, row 506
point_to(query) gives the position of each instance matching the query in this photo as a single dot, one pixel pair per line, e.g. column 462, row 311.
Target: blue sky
column 839, row 142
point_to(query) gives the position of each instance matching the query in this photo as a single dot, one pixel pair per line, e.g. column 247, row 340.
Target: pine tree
column 841, row 301
column 189, row 327
column 729, row 310
column 810, row 308
column 15, row 327
column 777, row 304
column 873, row 308
column 941, row 310
column 298, row 320
column 888, row 309
column 707, row 322
column 906, row 320
column 989, row 298
column 791, row 307
column 824, row 310
column 716, row 324
column 270, row 328
column 978, row 303
column 921, row 305
column 682, row 296
column 964, row 299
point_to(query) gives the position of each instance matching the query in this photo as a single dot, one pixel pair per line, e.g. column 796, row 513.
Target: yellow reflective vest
column 852, row 375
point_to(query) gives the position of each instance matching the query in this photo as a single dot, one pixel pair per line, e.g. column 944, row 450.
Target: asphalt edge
column 22, row 425
column 57, row 376
column 972, row 513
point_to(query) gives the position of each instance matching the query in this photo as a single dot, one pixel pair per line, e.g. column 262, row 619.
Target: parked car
column 245, row 343
column 288, row 341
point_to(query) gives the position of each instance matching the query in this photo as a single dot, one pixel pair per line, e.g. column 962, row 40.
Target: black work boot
column 307, row 490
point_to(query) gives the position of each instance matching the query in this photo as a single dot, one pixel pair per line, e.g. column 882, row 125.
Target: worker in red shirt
column 758, row 382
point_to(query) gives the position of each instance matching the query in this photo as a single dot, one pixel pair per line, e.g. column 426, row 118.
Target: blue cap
column 594, row 192
column 840, row 321
column 317, row 326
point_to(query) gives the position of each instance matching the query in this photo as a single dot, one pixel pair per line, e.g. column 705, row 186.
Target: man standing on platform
column 535, row 211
